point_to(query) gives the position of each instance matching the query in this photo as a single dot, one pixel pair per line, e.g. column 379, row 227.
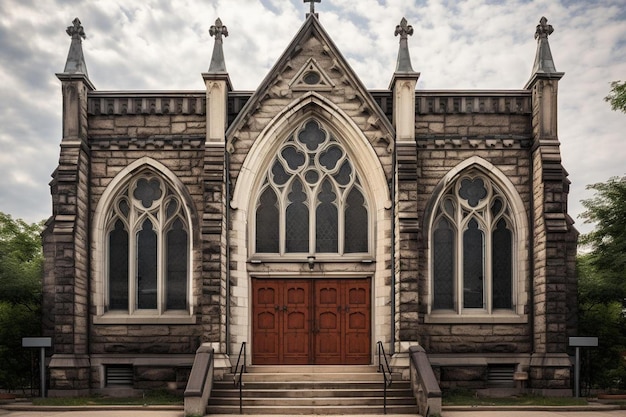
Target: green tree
column 617, row 96
column 602, row 283
column 600, row 314
column 21, row 262
column 607, row 210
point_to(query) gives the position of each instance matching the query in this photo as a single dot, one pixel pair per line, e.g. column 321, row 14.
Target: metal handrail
column 383, row 366
column 238, row 378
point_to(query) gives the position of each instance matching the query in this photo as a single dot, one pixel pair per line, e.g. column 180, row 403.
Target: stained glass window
column 148, row 248
column 443, row 268
column 502, row 265
column 118, row 267
column 312, row 193
column 177, row 249
column 326, row 220
column 472, row 247
column 267, row 219
column 356, row 233
column 473, row 274
column 297, row 220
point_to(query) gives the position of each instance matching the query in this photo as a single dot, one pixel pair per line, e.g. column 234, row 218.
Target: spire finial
column 312, row 7
column 217, row 59
column 543, row 29
column 75, row 63
column 543, row 59
column 404, row 29
column 76, row 31
column 218, row 29
column 404, row 58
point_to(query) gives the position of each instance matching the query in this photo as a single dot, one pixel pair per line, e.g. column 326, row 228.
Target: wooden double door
column 311, row 321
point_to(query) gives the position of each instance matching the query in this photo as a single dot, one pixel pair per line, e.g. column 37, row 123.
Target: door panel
column 358, row 317
column 266, row 321
column 316, row 321
column 328, row 322
column 296, row 322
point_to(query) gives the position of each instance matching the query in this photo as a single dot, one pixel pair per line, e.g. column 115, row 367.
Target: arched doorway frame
column 375, row 184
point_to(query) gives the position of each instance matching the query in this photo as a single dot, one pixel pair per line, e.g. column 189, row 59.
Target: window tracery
column 311, row 200
column 472, row 254
column 147, row 248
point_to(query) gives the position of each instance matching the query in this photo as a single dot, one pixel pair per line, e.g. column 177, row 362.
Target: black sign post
column 42, row 343
column 579, row 342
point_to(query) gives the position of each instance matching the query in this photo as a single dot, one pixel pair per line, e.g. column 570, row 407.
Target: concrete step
column 287, row 410
column 293, row 390
column 343, row 392
column 312, row 376
column 310, row 369
column 311, row 402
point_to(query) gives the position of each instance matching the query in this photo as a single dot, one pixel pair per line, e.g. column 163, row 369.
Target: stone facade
column 211, row 151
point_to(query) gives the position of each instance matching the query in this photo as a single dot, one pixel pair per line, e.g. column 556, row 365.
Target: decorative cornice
column 459, row 102
column 152, row 142
column 142, row 103
column 474, row 142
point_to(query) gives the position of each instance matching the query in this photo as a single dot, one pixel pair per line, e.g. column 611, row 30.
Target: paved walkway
column 177, row 412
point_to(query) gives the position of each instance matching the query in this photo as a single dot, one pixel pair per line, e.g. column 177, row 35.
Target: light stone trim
column 266, row 144
column 249, row 180
column 495, row 318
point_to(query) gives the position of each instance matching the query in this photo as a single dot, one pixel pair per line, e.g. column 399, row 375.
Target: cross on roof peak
column 312, row 6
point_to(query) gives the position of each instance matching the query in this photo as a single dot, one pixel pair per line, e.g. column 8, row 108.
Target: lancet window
column 472, row 248
column 147, row 242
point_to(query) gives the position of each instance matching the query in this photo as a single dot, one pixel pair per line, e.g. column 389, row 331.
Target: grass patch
column 469, row 398
column 149, row 398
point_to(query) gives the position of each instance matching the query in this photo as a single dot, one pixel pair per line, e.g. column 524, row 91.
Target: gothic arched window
column 472, row 242
column 311, row 200
column 147, row 248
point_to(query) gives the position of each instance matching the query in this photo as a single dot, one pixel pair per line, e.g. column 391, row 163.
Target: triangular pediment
column 311, row 77
column 312, row 63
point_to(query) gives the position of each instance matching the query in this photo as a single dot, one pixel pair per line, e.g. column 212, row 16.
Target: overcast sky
column 165, row 45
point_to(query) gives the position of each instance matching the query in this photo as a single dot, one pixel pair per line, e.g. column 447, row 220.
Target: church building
column 309, row 219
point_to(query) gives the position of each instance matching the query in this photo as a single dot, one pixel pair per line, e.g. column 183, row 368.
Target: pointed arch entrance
column 311, row 209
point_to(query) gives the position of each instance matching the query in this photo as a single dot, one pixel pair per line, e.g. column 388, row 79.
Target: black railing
column 239, row 371
column 383, row 366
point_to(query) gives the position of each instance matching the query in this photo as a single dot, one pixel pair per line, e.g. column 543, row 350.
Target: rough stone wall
column 433, row 163
column 67, row 271
column 118, row 141
column 472, row 125
column 407, row 255
column 554, row 282
column 213, row 306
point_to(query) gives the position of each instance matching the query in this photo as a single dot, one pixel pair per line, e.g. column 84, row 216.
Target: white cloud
column 165, row 44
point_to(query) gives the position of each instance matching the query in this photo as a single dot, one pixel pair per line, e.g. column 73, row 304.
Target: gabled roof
column 311, row 28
